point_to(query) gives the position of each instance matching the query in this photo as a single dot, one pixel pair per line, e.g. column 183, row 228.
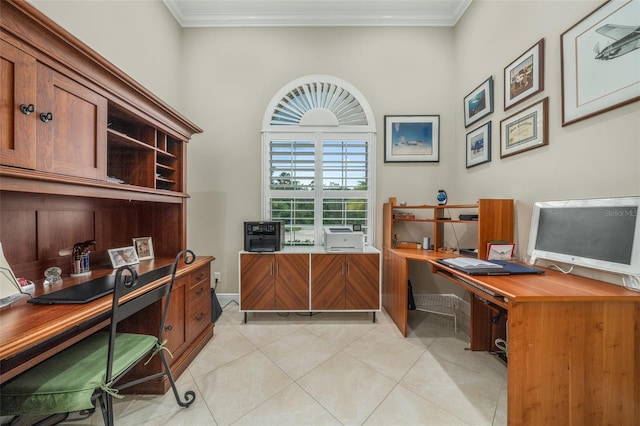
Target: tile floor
column 330, row 369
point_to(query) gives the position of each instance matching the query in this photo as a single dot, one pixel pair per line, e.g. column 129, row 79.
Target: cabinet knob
column 168, row 327
column 27, row 109
column 46, row 116
column 199, row 317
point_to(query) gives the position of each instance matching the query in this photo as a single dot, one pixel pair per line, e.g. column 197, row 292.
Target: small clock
column 52, row 276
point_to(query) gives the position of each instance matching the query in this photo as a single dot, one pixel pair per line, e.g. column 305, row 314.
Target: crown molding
column 316, row 13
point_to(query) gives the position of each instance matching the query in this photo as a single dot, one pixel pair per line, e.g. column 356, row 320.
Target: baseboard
column 225, row 298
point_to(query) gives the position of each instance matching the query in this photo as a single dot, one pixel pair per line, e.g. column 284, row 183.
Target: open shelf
column 140, row 154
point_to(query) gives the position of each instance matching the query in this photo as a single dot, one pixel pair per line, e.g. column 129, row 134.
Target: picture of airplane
column 626, row 38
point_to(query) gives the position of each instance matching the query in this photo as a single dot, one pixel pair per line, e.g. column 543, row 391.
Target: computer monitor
column 603, row 233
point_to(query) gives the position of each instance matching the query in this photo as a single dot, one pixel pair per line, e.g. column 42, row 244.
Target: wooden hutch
column 87, row 153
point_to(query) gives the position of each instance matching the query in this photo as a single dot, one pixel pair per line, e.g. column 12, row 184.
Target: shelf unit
column 139, row 154
column 495, row 220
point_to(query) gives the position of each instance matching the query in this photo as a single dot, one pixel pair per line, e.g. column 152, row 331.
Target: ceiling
column 316, row 13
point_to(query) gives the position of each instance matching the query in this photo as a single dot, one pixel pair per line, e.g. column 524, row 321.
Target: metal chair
column 89, row 372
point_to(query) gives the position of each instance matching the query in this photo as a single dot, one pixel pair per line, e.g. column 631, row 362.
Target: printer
column 263, row 236
column 343, row 239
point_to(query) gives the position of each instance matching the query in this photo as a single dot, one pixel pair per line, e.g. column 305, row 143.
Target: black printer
column 263, row 236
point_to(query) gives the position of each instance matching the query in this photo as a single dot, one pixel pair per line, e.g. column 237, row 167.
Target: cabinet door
column 174, row 325
column 17, row 87
column 292, row 281
column 327, row 281
column 257, row 282
column 74, row 141
column 363, row 281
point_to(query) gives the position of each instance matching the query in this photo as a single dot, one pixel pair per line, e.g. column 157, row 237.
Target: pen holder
column 80, row 265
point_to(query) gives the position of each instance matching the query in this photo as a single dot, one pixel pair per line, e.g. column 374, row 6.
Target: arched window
column 318, row 150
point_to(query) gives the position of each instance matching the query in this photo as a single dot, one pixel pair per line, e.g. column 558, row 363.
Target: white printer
column 343, row 239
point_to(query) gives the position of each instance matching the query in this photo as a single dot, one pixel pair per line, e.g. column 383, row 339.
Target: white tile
column 292, row 406
column 463, row 392
column 227, row 345
column 349, row 389
column 403, row 407
column 266, row 331
column 135, row 410
column 299, row 352
column 388, row 354
column 339, row 335
column 236, row 388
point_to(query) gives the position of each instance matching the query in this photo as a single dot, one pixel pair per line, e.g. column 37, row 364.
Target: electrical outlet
column 216, row 277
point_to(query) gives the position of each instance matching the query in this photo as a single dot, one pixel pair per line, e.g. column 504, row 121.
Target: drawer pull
column 199, row 291
column 27, row 109
column 200, row 276
column 46, row 116
column 199, row 317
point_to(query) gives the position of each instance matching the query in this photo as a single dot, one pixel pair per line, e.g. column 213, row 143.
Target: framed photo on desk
column 123, row 256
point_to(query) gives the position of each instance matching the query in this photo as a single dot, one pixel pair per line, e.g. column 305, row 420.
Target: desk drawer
column 198, row 314
column 200, row 274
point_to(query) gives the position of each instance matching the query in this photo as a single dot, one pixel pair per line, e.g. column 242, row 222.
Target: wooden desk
column 31, row 333
column 574, row 342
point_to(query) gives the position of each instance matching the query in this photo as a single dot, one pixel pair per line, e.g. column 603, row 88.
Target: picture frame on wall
column 524, row 77
column 479, row 103
column 479, row 145
column 600, row 61
column 525, row 130
column 144, row 247
column 123, row 256
column 411, row 138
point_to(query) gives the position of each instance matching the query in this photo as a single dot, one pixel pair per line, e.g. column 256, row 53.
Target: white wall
column 596, row 157
column 223, row 79
column 142, row 38
column 234, row 73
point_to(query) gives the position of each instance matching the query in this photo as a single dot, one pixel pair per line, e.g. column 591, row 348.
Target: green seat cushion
column 66, row 381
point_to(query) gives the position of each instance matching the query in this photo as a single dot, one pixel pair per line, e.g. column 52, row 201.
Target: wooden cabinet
column 274, row 281
column 71, row 127
column 174, row 325
column 198, row 302
column 87, row 153
column 17, row 90
column 345, row 281
column 59, row 125
column 494, row 222
column 314, row 281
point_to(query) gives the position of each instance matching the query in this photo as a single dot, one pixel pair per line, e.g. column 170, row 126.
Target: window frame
column 319, row 135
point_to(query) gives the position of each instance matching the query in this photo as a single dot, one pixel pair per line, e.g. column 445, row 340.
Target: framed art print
column 411, row 138
column 479, row 103
column 600, row 61
column 479, row 145
column 524, row 77
column 525, row 130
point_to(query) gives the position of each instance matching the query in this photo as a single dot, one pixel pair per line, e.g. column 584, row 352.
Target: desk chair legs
column 106, row 399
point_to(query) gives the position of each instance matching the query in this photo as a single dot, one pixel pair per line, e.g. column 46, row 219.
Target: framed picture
column 478, row 103
column 600, row 61
column 524, row 77
column 123, row 256
column 525, row 130
column 411, row 138
column 144, row 247
column 479, row 145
